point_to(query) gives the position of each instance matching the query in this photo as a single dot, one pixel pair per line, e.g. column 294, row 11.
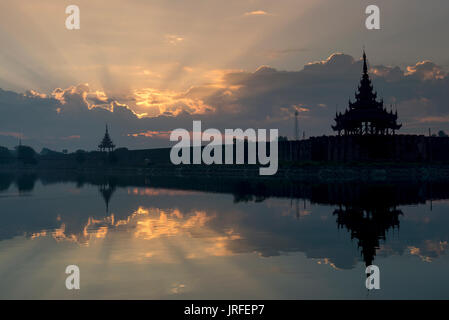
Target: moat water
column 204, row 238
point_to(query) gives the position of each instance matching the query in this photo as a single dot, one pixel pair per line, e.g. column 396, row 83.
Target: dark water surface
column 210, row 238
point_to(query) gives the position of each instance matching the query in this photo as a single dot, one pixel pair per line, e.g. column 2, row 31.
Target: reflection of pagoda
column 366, row 116
column 106, row 144
column 368, row 225
column 106, row 190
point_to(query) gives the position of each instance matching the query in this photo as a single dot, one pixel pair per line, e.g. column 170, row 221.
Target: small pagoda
column 106, row 144
column 366, row 115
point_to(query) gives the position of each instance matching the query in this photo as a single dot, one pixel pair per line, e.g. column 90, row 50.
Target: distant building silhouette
column 367, row 115
column 106, row 144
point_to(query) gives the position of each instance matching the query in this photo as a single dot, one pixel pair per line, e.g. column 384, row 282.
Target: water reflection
column 368, row 225
column 106, row 190
column 178, row 220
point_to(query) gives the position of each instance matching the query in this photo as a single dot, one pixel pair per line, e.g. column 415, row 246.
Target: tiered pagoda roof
column 106, row 144
column 366, row 115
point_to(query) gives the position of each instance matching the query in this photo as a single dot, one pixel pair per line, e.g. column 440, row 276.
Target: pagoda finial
column 365, row 67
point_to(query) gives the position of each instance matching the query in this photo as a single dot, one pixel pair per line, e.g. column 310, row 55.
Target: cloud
column 173, row 39
column 268, row 97
column 264, row 98
column 426, row 70
column 12, row 134
column 256, row 13
column 275, row 54
column 152, row 134
column 70, row 137
column 388, row 73
column 152, row 102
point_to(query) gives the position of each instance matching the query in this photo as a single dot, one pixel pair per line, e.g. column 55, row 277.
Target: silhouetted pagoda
column 106, row 144
column 366, row 116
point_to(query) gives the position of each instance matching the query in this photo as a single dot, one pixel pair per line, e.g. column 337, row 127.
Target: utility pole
column 296, row 126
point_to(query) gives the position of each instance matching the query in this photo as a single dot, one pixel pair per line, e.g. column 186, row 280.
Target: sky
column 147, row 67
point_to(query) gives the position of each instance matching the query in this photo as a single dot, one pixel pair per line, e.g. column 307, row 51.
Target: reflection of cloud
column 436, row 119
column 328, row 262
column 165, row 224
column 38, row 235
column 161, row 192
column 429, row 250
column 177, row 288
column 94, row 229
column 153, row 224
column 271, row 229
column 58, row 234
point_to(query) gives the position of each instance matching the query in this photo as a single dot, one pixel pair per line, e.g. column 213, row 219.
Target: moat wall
column 397, row 148
column 326, row 149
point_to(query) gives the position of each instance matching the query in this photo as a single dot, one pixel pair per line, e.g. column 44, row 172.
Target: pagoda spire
column 365, row 66
column 106, row 144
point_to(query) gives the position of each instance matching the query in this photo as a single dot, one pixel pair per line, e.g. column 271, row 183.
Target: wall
column 403, row 148
column 398, row 148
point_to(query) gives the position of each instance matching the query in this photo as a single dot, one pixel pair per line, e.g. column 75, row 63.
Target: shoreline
column 305, row 172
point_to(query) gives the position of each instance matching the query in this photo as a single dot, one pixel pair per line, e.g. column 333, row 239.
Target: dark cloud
column 265, row 98
column 48, row 121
